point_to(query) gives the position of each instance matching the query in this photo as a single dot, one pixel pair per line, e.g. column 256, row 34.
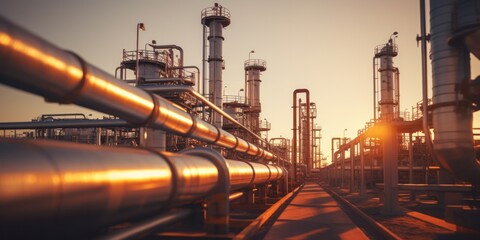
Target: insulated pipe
column 36, row 66
column 452, row 112
column 45, row 183
column 167, row 89
column 66, row 124
column 294, row 139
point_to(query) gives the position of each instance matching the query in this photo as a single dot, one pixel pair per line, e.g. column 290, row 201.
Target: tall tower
column 389, row 92
column 215, row 18
column 253, row 68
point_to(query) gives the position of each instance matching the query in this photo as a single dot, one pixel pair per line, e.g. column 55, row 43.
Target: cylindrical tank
column 452, row 113
column 216, row 18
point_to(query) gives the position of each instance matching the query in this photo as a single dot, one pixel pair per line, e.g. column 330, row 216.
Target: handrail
column 216, row 11
column 255, row 63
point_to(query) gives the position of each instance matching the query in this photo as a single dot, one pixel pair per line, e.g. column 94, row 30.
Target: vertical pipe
column 397, row 92
column 342, row 170
column 423, row 44
column 98, row 136
column 374, row 91
column 301, row 156
column 352, row 165
column 137, row 72
column 204, row 63
column 410, row 158
column 294, row 139
column 308, row 157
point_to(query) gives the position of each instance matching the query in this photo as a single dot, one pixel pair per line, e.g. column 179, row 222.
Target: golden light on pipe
column 136, row 175
column 114, row 90
column 200, row 171
column 32, row 52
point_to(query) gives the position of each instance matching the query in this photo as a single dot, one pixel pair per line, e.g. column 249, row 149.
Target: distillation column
column 253, row 68
column 388, row 113
column 215, row 18
column 388, row 82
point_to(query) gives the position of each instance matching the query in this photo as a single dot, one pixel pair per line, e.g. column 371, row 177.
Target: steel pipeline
column 48, row 182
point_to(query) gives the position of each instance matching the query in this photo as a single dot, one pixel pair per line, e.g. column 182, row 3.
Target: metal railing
column 144, row 54
column 255, row 63
column 216, row 11
column 388, row 49
column 234, row 99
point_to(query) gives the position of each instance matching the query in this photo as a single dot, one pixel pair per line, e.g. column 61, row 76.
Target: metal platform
column 314, row 214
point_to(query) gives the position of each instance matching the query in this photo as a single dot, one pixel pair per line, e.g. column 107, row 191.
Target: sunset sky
column 323, row 45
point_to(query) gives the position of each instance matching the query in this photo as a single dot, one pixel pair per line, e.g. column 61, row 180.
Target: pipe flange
column 71, row 95
column 172, row 196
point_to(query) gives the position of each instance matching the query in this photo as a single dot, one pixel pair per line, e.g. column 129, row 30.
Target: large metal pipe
column 45, row 182
column 36, row 66
column 84, row 123
column 197, row 95
column 452, row 112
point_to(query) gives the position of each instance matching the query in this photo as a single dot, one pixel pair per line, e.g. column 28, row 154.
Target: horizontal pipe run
column 169, row 89
column 66, row 124
column 36, row 66
column 47, row 182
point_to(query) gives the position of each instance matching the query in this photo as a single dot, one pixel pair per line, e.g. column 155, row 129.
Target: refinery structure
column 174, row 157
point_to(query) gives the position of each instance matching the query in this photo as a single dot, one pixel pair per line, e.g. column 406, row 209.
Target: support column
column 390, row 172
column 362, row 167
column 352, row 166
column 410, row 158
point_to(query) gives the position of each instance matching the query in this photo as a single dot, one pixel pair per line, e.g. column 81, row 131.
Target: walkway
column 313, row 214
